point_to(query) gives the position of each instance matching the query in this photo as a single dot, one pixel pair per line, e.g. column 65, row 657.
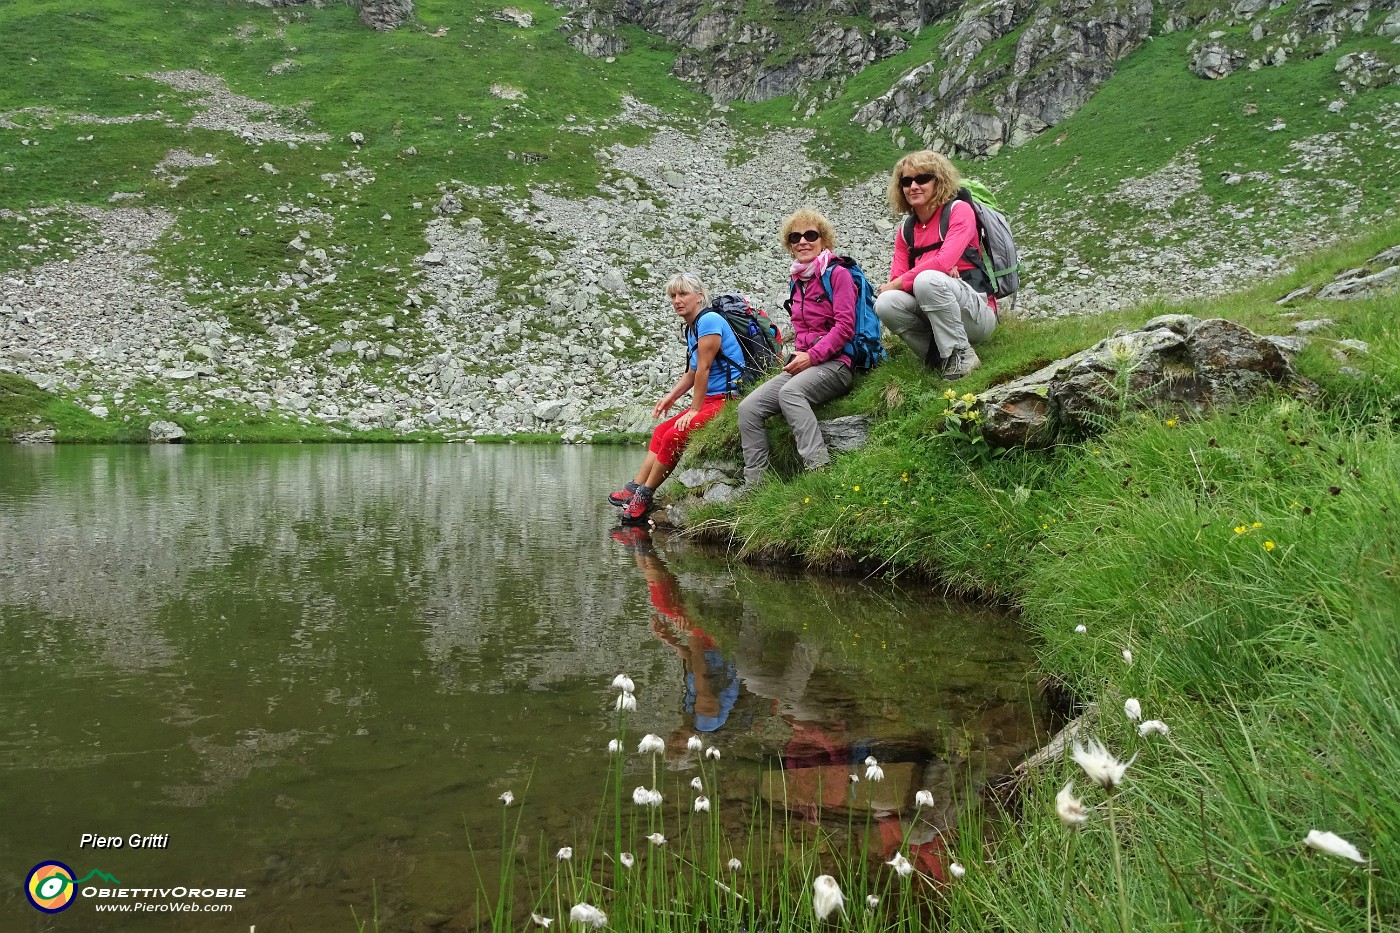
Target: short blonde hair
column 807, row 219
column 685, row 283
column 946, row 179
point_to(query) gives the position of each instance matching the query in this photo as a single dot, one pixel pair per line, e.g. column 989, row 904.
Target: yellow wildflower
column 950, row 395
column 855, row 489
column 906, row 476
column 1257, row 525
column 1170, row 422
column 969, row 398
column 1268, row 545
column 1240, row 529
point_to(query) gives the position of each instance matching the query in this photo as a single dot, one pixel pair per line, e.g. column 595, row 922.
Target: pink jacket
column 820, row 326
column 962, row 233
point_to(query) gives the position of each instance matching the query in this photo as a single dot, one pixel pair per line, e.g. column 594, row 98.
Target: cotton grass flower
column 901, row 865
column 1070, row 808
column 1333, row 844
column 624, row 683
column 855, row 778
column 871, row 901
column 827, row 897
column 507, row 798
column 626, row 859
column 734, row 864
column 956, row 870
column 656, row 839
column 646, row 798
column 1081, row 629
column 694, row 744
column 873, row 771
column 651, row 744
column 564, row 854
column 696, row 783
column 923, row 798
column 702, row 804
column 1128, row 657
column 626, row 702
column 712, row 752
column 588, row 915
column 541, row 921
column 1153, row 727
column 1132, row 709
column 614, row 746
column 1101, row 767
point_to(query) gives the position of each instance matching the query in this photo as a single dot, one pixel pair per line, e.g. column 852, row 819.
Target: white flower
column 507, row 798
column 826, row 897
column 614, row 746
column 1081, row 629
column 541, row 921
column 627, row 702
column 696, row 783
column 1128, row 657
column 734, row 864
column 654, row 798
column 871, row 901
column 1099, row 765
column 923, row 798
column 1153, row 727
column 956, row 870
column 656, row 839
column 855, row 778
column 1132, row 709
column 1333, row 844
column 702, row 804
column 711, row 752
column 624, row 683
column 651, row 744
column 873, row 771
column 902, row 866
column 1070, row 808
column 626, row 859
column 587, row 914
column 640, row 796
column 694, row 744
column 564, row 854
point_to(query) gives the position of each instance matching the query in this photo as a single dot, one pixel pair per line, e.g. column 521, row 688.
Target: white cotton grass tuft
column 626, row 859
column 1333, row 844
column 827, row 897
column 711, row 752
column 588, row 915
column 1081, row 629
column 614, row 746
column 643, row 797
column 734, row 864
column 507, row 798
column 1101, row 767
column 855, row 778
column 1128, row 657
column 923, row 798
column 1153, row 727
column 656, row 839
column 871, row 901
column 702, row 804
column 651, row 744
column 694, row 744
column 956, row 870
column 901, row 865
column 1070, row 808
column 540, row 920
column 627, row 702
column 624, row 683
column 873, row 771
column 564, row 854
column 696, row 783
column 1132, row 709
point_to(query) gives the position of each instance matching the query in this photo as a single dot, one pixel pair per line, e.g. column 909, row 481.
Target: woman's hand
column 683, row 422
column 662, row 407
column 799, row 361
column 891, row 285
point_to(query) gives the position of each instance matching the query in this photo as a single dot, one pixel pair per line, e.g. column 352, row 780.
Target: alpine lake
column 311, row 673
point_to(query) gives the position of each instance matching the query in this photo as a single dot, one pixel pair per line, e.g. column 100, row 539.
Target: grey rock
column 550, row 410
column 1313, row 326
column 34, row 437
column 165, row 432
column 699, row 478
column 846, row 433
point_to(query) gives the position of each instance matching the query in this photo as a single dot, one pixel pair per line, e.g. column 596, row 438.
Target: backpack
column 757, row 335
column 865, row 350
column 1002, row 277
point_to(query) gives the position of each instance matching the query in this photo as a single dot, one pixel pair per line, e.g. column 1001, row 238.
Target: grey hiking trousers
column 794, row 396
column 945, row 310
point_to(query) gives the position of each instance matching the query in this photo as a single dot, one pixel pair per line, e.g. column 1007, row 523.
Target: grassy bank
column 1245, row 561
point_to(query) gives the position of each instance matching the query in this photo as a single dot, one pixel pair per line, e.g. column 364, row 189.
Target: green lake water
column 314, row 670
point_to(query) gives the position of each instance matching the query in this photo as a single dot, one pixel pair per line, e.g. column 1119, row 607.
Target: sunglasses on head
column 811, row 236
column 921, row 179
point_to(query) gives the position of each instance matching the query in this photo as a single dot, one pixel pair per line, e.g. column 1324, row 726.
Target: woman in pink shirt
column 819, row 370
column 937, row 299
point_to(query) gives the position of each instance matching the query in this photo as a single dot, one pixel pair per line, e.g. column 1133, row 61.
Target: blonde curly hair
column 807, row 219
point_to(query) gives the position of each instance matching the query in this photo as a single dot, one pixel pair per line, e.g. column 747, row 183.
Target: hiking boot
column 623, row 495
column 960, row 362
column 636, row 509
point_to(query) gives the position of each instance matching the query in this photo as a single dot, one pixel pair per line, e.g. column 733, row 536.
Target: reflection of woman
column 937, row 299
column 823, row 326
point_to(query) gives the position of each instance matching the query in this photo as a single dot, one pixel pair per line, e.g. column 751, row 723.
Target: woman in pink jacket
column 820, row 368
column 937, row 298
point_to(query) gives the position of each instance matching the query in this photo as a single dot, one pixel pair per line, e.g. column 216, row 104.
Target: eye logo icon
column 50, row 887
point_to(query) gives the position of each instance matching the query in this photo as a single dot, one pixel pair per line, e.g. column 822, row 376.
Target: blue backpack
column 865, row 350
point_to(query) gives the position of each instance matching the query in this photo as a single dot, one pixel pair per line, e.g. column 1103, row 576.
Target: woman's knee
column 934, row 286
column 887, row 308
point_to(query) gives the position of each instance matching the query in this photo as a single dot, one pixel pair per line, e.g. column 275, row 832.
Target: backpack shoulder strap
column 909, row 234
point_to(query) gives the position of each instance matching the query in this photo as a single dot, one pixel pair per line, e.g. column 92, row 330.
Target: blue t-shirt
column 726, row 370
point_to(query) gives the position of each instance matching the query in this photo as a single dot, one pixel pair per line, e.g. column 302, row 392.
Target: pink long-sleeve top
column 823, row 326
column 947, row 258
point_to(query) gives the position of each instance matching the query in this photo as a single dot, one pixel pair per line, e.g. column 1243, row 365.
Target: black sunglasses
column 921, row 179
column 811, row 236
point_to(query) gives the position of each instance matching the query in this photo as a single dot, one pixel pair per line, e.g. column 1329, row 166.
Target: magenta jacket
column 820, row 326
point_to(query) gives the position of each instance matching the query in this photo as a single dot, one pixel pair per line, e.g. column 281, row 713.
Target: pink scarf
column 805, row 270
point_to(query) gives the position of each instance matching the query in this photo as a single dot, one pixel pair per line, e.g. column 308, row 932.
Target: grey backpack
column 998, row 268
